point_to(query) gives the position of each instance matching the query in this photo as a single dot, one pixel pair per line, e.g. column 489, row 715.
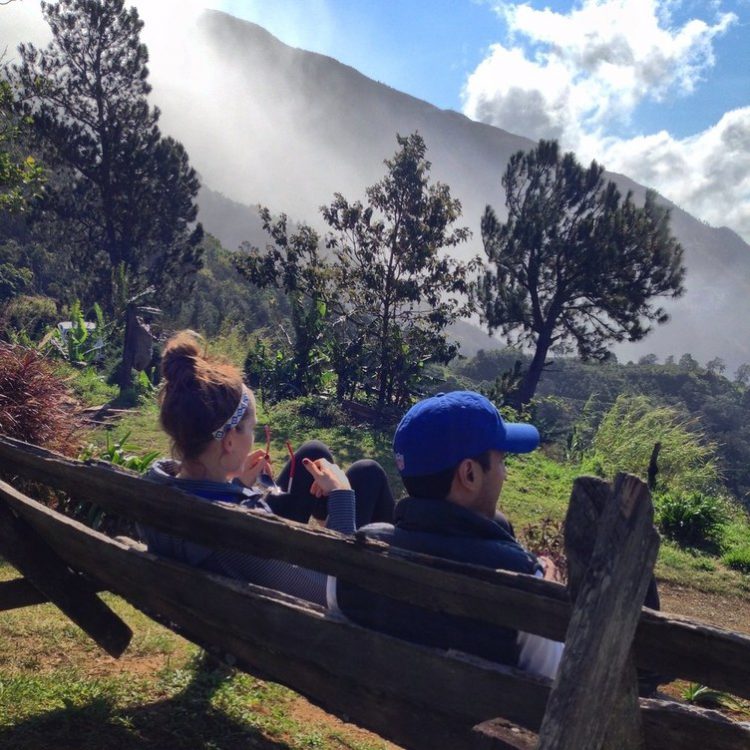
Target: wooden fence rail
column 416, row 696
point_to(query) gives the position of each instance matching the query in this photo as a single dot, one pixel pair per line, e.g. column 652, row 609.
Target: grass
column 57, row 689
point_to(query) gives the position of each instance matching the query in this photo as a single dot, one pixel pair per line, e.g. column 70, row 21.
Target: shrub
column 692, row 519
column 738, row 558
column 35, row 405
column 626, row 436
column 546, row 539
column 29, row 315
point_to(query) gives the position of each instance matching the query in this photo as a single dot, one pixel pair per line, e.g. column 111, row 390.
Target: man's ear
column 466, row 474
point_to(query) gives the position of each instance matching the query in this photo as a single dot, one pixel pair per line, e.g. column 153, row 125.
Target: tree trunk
column 531, row 377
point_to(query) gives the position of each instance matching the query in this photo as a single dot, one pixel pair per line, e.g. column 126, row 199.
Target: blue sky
column 656, row 89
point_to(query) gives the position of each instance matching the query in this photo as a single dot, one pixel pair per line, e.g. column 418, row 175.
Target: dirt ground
column 732, row 614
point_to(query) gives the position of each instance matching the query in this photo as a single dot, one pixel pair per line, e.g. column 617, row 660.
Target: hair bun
column 181, row 357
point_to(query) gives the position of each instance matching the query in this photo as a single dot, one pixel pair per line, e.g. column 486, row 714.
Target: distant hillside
column 288, row 128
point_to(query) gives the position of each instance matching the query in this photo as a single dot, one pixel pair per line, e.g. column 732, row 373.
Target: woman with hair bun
column 210, row 416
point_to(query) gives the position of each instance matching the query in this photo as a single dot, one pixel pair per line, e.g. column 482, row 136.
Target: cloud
column 579, row 76
column 707, row 174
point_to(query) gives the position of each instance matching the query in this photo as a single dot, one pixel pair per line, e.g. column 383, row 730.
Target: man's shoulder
column 442, row 529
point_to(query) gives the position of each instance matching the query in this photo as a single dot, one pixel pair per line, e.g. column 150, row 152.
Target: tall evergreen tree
column 394, row 273
column 126, row 194
column 575, row 264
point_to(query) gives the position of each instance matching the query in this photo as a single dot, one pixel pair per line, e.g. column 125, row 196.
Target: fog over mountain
column 288, row 128
column 268, row 124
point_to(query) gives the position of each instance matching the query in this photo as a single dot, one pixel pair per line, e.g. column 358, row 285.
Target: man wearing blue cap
column 450, row 451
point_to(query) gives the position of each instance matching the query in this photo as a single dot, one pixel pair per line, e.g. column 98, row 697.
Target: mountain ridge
column 294, row 127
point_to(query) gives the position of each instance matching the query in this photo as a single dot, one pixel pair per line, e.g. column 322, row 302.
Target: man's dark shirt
column 441, row 529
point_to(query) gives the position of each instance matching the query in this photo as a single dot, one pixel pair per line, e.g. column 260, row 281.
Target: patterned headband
column 234, row 420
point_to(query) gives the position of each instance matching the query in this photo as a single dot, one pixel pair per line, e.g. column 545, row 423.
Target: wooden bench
column 415, row 696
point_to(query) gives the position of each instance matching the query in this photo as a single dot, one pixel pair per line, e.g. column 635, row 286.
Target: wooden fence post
column 31, row 555
column 589, row 686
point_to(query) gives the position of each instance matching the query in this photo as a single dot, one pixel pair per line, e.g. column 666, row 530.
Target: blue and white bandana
column 234, row 420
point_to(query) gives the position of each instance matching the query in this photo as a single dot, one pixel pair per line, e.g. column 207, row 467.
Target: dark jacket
column 442, row 529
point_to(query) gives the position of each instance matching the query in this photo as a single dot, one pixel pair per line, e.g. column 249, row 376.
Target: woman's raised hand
column 327, row 477
column 256, row 463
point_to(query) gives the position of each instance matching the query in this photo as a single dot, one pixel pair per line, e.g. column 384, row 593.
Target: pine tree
column 575, row 264
column 125, row 194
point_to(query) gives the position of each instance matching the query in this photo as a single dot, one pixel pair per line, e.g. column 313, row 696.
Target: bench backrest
column 378, row 681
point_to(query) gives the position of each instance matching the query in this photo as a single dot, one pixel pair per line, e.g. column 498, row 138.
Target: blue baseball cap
column 441, row 431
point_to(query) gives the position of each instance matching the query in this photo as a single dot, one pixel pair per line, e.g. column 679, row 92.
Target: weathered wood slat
column 680, row 725
column 27, row 552
column 380, row 682
column 590, row 497
column 598, row 643
column 378, row 568
column 719, row 658
column 19, row 593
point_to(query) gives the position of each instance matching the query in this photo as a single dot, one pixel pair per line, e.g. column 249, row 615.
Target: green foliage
column 21, row 176
column 140, row 391
column 691, row 519
column 738, row 558
column 700, row 695
column 293, row 264
column 399, row 290
column 575, row 264
column 122, row 195
column 119, row 452
column 81, row 345
column 220, row 303
column 32, row 315
column 626, row 437
column 271, row 373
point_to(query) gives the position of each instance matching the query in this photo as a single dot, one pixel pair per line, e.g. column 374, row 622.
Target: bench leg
column 49, row 574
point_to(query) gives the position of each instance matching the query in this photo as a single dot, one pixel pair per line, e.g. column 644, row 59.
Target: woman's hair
column 200, row 394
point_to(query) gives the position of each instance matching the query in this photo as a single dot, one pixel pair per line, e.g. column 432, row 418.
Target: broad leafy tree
column 21, row 177
column 293, row 264
column 396, row 276
column 124, row 193
column 575, row 265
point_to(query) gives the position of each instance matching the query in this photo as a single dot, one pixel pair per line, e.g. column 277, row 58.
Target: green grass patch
column 537, row 487
column 738, row 558
column 88, row 385
column 57, row 689
column 699, row 570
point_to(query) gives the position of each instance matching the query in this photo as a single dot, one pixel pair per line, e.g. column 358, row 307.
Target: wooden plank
column 680, row 725
column 590, row 498
column 19, row 593
column 499, row 734
column 718, row 658
column 389, row 686
column 598, row 643
column 28, row 553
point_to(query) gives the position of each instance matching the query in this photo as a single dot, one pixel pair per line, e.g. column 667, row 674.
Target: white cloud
column 572, row 76
column 708, row 174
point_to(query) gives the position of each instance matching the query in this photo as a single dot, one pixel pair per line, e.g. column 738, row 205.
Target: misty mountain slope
column 266, row 123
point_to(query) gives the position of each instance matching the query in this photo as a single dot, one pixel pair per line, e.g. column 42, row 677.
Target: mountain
column 265, row 123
